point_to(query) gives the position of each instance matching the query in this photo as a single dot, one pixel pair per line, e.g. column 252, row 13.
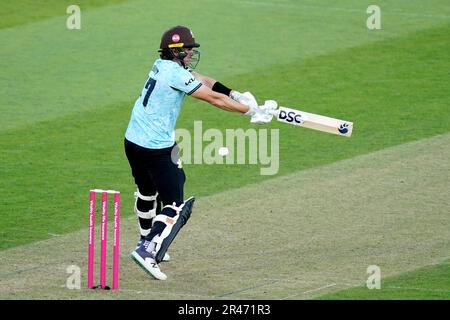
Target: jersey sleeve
column 184, row 81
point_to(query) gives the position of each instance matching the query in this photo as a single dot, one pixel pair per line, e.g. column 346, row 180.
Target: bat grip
column 274, row 112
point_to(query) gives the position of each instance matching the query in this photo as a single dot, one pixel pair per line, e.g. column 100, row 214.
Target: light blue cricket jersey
column 155, row 112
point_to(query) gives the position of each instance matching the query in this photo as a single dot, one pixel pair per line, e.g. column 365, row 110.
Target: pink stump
column 115, row 279
column 91, row 239
column 103, row 239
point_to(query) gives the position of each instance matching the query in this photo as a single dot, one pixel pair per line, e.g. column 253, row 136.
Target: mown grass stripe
column 47, row 168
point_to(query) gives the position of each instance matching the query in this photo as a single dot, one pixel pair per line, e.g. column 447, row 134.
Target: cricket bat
column 314, row 121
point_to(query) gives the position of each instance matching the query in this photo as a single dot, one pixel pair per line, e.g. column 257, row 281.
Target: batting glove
column 245, row 98
column 264, row 113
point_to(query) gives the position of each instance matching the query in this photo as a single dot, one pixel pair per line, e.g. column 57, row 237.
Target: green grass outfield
column 66, row 96
column 429, row 283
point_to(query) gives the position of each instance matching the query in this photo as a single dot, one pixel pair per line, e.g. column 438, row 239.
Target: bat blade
column 314, row 121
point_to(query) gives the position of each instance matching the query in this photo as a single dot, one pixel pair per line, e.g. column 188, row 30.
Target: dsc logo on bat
column 291, row 116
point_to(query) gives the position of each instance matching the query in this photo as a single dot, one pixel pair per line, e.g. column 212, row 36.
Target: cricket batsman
column 151, row 148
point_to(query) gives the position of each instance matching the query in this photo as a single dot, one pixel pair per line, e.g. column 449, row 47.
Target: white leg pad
column 149, row 214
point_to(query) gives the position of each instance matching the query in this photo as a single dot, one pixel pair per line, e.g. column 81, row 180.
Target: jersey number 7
column 150, row 85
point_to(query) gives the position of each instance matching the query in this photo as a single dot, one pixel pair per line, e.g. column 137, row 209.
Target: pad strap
column 145, row 198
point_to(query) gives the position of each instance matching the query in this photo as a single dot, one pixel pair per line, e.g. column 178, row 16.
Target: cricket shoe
column 166, row 255
column 146, row 261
